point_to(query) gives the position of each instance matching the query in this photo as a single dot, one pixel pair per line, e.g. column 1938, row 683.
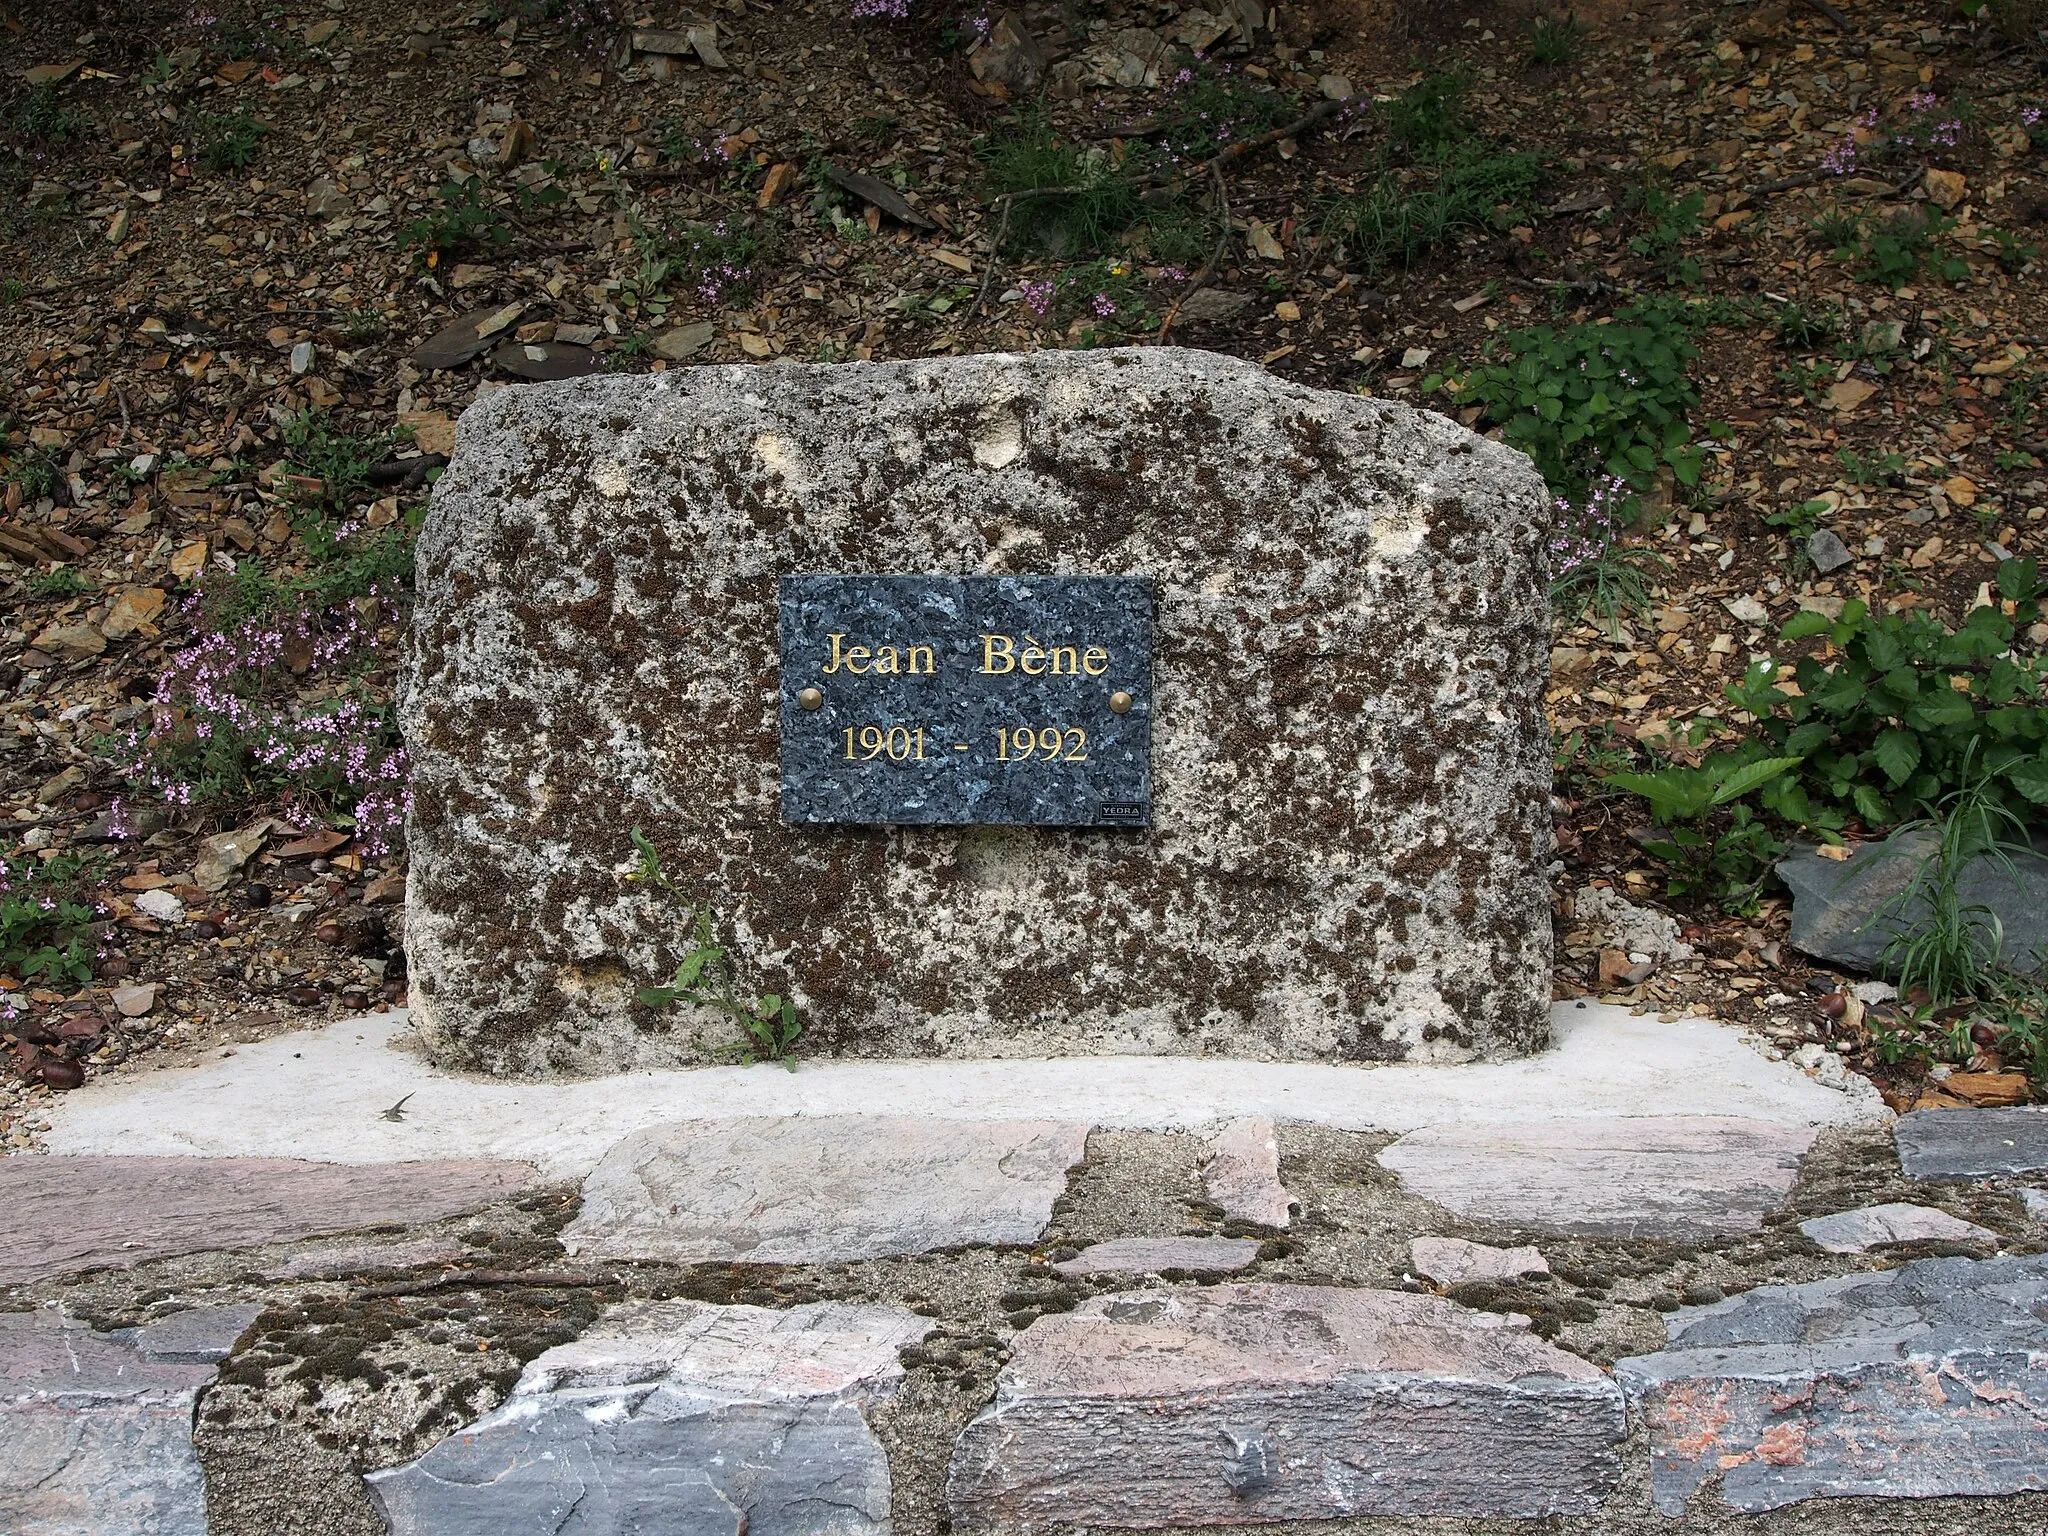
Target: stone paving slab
column 1248, row 1403
column 1157, row 1255
column 1241, row 1173
column 63, row 1214
column 676, row 1416
column 1452, row 1261
column 1925, row 1381
column 823, row 1190
column 1874, row 1226
column 1971, row 1143
column 1691, row 1176
column 321, row 1094
column 96, row 1429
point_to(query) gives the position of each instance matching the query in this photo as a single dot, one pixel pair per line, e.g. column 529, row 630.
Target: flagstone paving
column 1671, row 1176
column 1272, row 1402
column 868, row 1312
column 1924, row 1381
column 1972, row 1143
column 677, row 1416
column 822, row 1190
column 61, row 1214
column 96, row 1428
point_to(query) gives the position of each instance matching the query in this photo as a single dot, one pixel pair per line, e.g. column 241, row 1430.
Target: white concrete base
column 322, row 1094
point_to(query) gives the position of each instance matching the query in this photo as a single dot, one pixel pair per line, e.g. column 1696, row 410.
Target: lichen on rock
column 1349, row 755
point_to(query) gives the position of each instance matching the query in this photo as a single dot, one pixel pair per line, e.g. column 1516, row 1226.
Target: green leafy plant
column 2018, row 21
column 1594, row 399
column 1554, row 40
column 1808, row 380
column 45, row 116
column 44, row 914
column 464, row 220
column 1711, row 842
column 1894, row 250
column 1429, row 118
column 1799, row 522
column 1888, row 469
column 63, row 582
column 1835, row 227
column 1901, row 711
column 1669, row 224
column 224, row 142
column 2018, row 1012
column 2013, row 254
column 768, row 1025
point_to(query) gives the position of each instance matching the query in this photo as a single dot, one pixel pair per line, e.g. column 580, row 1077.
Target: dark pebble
column 1835, row 1004
column 257, row 896
column 330, row 933
column 115, row 966
column 64, row 1075
column 1983, row 1034
column 1823, row 984
column 394, row 992
column 206, row 928
column 302, row 997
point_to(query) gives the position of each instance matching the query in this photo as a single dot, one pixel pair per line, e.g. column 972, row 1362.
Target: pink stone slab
column 61, row 1214
column 1661, row 1176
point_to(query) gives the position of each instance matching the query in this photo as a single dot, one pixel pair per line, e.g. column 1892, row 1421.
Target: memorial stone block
column 1118, row 702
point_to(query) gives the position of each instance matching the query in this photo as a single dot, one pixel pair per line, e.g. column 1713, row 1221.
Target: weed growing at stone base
column 1954, row 950
column 769, row 1026
column 718, row 263
column 1080, row 198
column 273, row 706
column 1668, row 224
column 44, row 913
column 58, row 584
column 43, row 117
column 219, row 143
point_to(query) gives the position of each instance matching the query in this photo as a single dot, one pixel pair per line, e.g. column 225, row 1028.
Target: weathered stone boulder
column 1349, row 762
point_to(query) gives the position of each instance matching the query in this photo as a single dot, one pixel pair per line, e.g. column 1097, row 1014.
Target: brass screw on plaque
column 811, row 698
column 1120, row 703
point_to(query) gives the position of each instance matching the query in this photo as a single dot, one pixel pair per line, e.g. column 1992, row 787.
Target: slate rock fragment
column 1925, row 1381
column 1972, row 1143
column 677, row 1416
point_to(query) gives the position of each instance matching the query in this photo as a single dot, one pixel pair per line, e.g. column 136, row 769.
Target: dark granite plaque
column 949, row 700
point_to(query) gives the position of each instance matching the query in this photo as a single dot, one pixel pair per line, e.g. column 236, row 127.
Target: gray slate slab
column 62, row 1214
column 96, row 1429
column 1925, row 1381
column 676, row 1417
column 1874, row 1226
column 823, row 1189
column 1680, row 1176
column 1241, row 1173
column 1838, row 906
column 1247, row 1403
column 1156, row 1255
column 1971, row 1143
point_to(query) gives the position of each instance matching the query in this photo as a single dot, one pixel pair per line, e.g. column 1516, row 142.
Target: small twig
column 550, row 1278
column 1841, row 22
column 1215, row 263
column 1785, row 184
column 995, row 256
